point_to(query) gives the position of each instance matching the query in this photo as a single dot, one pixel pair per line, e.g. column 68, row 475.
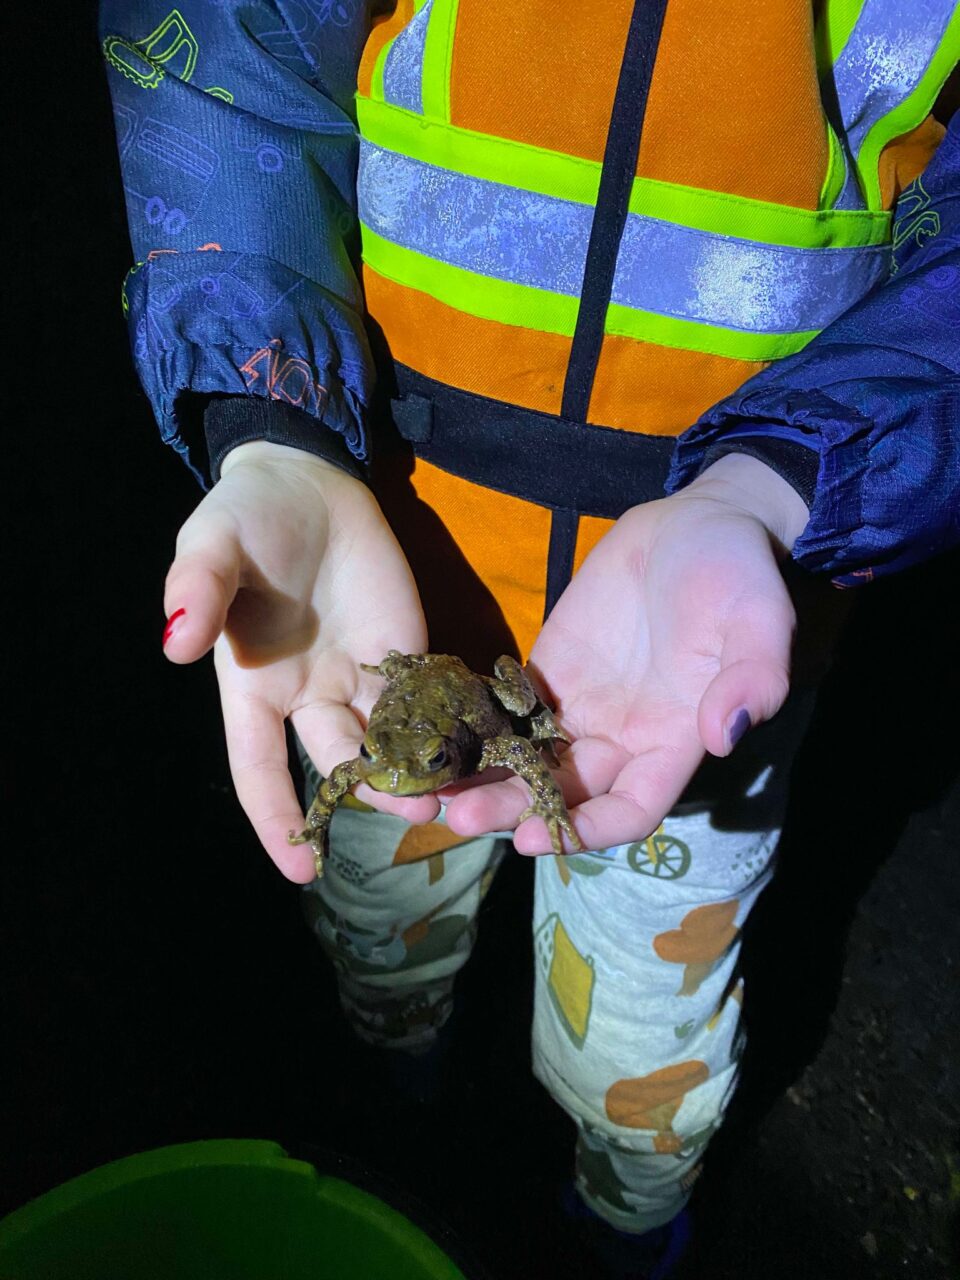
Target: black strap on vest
column 571, row 467
column 613, row 198
column 616, row 178
column 562, row 462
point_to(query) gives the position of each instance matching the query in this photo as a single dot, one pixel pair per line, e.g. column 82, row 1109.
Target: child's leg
column 396, row 911
column 637, row 1012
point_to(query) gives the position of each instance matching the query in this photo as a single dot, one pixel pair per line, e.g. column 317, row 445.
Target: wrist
column 268, row 453
column 751, row 486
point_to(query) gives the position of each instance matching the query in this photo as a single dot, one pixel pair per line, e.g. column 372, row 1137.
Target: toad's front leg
column 332, row 790
column 511, row 686
column 513, row 689
column 546, row 797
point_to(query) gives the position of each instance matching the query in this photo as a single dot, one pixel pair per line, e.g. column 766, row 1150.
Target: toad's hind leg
column 332, row 790
column 546, row 798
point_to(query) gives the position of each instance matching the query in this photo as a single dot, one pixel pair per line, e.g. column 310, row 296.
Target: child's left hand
column 672, row 639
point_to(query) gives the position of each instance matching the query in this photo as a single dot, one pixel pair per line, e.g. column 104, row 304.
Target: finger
column 472, row 781
column 332, row 733
column 200, row 588
column 600, row 823
column 257, row 749
column 497, row 806
column 491, row 806
column 415, row 809
column 753, row 680
column 588, row 768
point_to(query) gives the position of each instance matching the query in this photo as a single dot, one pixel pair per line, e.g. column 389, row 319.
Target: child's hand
column 289, row 569
column 672, row 639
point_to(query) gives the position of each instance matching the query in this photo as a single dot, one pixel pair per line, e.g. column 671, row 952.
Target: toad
column 437, row 722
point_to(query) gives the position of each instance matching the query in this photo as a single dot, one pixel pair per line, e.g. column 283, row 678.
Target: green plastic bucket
column 223, row 1210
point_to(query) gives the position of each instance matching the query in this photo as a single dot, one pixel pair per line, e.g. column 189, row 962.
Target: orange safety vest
column 584, row 217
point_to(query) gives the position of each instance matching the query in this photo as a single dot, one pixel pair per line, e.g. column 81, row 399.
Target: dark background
column 158, row 984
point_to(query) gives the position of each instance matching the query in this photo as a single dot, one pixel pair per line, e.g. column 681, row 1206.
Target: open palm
column 674, row 634
column 290, row 571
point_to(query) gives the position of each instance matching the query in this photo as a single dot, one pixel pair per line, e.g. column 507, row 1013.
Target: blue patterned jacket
column 238, row 152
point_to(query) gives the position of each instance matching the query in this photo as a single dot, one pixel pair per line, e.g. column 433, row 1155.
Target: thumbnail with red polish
column 171, row 623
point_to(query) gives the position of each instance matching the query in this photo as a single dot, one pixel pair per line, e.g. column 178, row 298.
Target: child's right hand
column 290, row 571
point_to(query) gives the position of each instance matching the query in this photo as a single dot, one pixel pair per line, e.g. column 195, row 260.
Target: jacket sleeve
column 875, row 398
column 238, row 150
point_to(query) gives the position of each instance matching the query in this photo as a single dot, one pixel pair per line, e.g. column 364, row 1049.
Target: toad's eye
column 364, row 753
column 437, row 760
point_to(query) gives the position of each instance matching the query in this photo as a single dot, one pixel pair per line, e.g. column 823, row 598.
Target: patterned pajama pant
column 637, row 1006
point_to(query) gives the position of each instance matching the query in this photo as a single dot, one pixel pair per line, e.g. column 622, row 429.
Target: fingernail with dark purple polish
column 737, row 726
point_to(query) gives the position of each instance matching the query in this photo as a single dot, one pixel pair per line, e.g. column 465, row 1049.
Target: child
column 567, row 261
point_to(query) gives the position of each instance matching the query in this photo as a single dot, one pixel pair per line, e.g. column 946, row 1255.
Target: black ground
column 159, row 985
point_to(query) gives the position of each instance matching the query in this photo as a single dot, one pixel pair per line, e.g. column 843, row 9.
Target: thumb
column 200, row 588
column 752, row 683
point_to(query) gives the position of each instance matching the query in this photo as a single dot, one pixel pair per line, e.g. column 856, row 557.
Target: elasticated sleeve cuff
column 796, row 463
column 229, row 421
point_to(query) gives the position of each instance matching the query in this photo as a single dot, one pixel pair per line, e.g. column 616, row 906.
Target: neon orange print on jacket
column 705, row 934
column 210, row 247
column 290, row 379
column 652, row 1101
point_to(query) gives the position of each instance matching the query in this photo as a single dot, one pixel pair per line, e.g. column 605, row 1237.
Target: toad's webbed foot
column 556, row 821
column 546, row 798
column 332, row 790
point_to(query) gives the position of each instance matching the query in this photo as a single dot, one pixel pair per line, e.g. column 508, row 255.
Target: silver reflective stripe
column 403, row 68
column 739, row 284
column 884, row 59
column 672, row 270
column 486, row 227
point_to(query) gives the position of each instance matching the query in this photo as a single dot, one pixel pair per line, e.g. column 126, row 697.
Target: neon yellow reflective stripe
column 722, row 214
column 837, row 20
column 437, row 57
column 836, row 170
column 552, row 173
column 529, row 308
column 477, row 295
column 479, row 155
column 666, row 331
column 911, row 112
